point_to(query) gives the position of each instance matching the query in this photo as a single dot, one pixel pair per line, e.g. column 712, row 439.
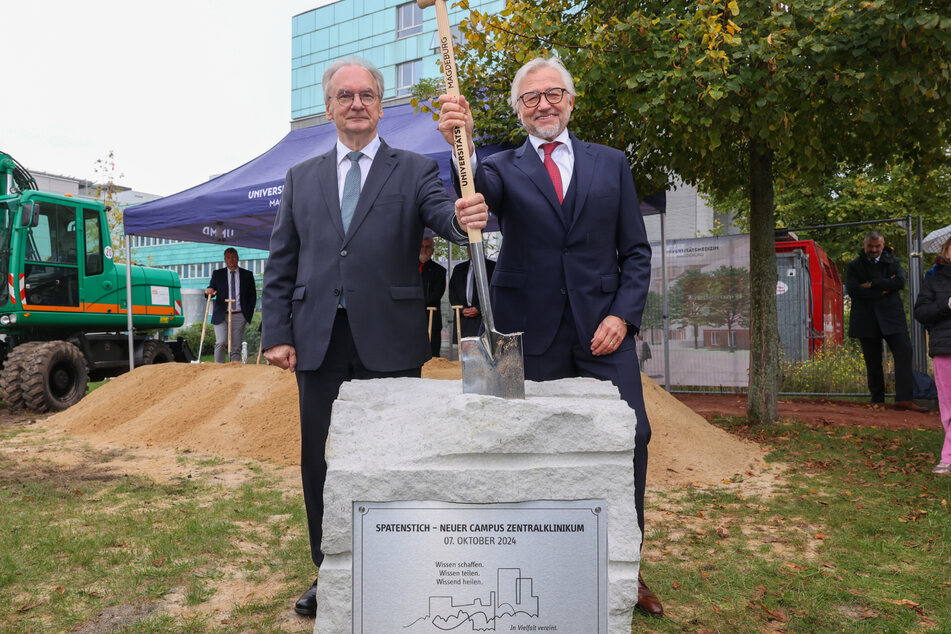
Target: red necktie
column 553, row 172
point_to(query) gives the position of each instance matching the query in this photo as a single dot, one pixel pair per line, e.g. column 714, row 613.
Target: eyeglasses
column 367, row 98
column 552, row 96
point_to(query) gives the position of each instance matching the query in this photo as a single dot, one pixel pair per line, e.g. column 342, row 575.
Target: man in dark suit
column 434, row 285
column 231, row 282
column 574, row 268
column 342, row 286
column 873, row 281
column 462, row 292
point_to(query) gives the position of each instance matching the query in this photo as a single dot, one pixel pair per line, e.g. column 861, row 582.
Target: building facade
column 396, row 36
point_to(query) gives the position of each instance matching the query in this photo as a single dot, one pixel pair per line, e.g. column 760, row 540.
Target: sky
column 178, row 90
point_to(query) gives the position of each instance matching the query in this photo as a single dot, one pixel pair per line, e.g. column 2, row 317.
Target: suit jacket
column 457, row 296
column 434, row 283
column 375, row 264
column 876, row 310
column 248, row 294
column 932, row 310
column 601, row 260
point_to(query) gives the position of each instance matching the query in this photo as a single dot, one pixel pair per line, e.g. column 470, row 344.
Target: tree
column 861, row 194
column 106, row 190
column 727, row 299
column 733, row 96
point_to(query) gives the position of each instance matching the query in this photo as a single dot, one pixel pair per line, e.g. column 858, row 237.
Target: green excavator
column 64, row 315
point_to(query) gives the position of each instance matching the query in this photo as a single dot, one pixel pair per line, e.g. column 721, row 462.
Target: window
column 731, row 339
column 93, row 240
column 51, row 268
column 407, row 75
column 409, row 20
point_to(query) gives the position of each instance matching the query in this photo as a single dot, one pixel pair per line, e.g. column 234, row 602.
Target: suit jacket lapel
column 526, row 159
column 585, row 167
column 383, row 165
column 327, row 177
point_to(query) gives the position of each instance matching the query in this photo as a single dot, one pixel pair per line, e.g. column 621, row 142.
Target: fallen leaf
column 676, row 586
column 820, row 536
column 908, row 603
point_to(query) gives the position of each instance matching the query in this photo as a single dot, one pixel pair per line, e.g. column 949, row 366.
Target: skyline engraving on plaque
column 513, row 596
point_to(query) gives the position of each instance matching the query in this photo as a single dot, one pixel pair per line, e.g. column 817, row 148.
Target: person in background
column 434, row 285
column 873, row 281
column 231, row 282
column 933, row 309
column 463, row 292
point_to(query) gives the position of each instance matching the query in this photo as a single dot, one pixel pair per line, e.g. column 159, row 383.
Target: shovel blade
column 492, row 364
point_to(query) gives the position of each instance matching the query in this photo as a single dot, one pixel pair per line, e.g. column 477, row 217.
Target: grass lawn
column 855, row 536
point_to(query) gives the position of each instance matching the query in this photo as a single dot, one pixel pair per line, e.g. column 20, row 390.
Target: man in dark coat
column 873, row 281
column 231, row 283
column 574, row 268
column 342, row 287
column 434, row 285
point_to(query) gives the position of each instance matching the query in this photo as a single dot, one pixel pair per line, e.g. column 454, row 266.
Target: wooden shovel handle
column 460, row 141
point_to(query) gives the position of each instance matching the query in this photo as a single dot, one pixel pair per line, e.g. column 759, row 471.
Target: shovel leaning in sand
column 204, row 324
column 492, row 363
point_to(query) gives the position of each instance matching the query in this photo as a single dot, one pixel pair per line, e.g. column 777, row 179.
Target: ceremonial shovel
column 492, row 363
column 204, row 323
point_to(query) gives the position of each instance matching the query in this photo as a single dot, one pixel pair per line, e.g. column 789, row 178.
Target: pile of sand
column 250, row 411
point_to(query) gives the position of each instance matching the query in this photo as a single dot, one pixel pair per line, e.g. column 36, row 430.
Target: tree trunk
column 764, row 321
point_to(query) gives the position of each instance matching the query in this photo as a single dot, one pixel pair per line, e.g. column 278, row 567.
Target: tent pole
column 663, row 287
column 128, row 297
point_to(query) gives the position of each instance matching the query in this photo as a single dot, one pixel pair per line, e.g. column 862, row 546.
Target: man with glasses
column 575, row 263
column 342, row 285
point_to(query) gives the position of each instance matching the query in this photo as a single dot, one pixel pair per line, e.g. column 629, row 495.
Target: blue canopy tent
column 238, row 208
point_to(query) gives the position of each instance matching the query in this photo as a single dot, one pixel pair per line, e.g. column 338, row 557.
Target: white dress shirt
column 563, row 156
column 343, row 163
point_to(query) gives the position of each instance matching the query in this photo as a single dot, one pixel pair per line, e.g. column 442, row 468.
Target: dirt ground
column 161, row 420
column 818, row 411
column 179, row 407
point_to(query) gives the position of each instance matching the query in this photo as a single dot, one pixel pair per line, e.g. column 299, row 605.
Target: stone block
column 423, row 439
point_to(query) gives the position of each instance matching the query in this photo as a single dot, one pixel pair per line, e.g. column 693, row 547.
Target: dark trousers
column 900, row 345
column 567, row 357
column 435, row 333
column 318, row 390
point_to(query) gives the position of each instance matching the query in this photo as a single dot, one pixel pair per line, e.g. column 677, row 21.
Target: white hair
column 353, row 61
column 537, row 64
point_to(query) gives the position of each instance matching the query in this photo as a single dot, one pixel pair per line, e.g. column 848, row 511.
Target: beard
column 547, row 130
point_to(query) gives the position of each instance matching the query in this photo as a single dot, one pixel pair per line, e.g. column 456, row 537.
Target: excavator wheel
column 155, row 351
column 53, row 376
column 11, row 387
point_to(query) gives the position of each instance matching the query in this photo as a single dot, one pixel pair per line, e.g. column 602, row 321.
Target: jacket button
column 564, row 291
column 337, row 291
column 565, row 251
column 343, row 253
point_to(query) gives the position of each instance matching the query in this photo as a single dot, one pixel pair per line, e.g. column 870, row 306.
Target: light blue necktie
column 351, row 190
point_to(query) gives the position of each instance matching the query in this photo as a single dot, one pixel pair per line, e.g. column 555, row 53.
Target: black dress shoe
column 307, row 604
